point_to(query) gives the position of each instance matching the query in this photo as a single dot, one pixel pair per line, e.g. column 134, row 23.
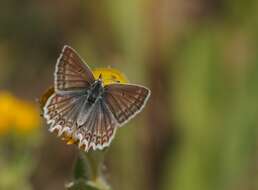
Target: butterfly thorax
column 95, row 91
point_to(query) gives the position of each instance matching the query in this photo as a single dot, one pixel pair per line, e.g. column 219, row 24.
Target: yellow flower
column 108, row 75
column 43, row 99
column 17, row 115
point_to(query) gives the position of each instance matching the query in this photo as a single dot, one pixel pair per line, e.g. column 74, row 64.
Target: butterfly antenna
column 100, row 76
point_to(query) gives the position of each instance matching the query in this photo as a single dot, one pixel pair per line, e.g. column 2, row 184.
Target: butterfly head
column 100, row 77
column 100, row 81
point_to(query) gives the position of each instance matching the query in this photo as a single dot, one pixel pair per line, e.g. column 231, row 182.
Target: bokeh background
column 199, row 58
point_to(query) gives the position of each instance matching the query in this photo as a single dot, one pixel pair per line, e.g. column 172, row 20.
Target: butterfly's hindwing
column 71, row 72
column 125, row 100
column 99, row 127
column 61, row 111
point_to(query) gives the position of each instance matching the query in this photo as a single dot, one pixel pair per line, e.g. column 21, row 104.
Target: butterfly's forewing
column 61, row 111
column 125, row 100
column 99, row 128
column 72, row 78
column 71, row 72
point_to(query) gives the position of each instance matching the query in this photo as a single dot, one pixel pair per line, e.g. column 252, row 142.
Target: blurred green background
column 199, row 58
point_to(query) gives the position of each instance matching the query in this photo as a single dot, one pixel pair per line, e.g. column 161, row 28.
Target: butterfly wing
column 125, row 100
column 99, row 128
column 118, row 104
column 61, row 111
column 71, row 72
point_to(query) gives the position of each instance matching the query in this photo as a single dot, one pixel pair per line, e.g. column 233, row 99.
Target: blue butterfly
column 86, row 110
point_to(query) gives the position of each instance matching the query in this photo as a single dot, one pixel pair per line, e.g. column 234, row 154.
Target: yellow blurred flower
column 17, row 115
column 5, row 109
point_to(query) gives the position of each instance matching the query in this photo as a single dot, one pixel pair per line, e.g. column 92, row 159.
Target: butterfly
column 85, row 109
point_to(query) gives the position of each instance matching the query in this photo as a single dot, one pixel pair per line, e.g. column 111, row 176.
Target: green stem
column 95, row 163
column 88, row 172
